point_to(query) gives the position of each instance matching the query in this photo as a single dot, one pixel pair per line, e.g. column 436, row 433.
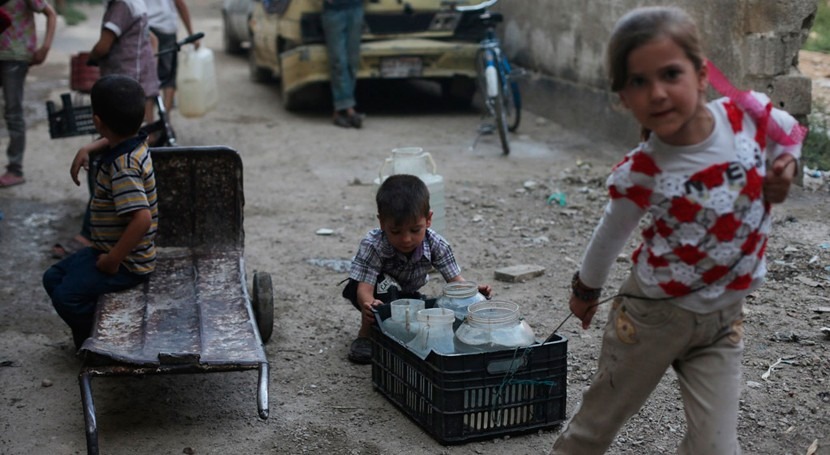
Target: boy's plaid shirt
column 376, row 255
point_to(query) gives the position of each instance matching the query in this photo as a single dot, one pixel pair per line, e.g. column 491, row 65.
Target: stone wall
column 562, row 44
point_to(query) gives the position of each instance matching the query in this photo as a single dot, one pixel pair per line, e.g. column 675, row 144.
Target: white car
column 235, row 31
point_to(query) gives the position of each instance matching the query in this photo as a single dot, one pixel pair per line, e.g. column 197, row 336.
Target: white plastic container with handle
column 196, row 88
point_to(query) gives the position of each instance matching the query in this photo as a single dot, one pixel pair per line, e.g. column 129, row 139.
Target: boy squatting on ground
column 124, row 211
column 392, row 262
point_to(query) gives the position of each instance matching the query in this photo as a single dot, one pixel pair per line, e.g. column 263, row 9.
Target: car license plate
column 400, row 67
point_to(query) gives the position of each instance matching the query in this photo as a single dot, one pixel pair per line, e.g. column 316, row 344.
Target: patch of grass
column 815, row 152
column 819, row 39
column 73, row 16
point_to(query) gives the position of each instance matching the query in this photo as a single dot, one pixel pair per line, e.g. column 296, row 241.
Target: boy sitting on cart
column 393, row 262
column 123, row 208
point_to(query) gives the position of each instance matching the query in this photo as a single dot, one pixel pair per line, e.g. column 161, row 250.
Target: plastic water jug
column 402, row 325
column 415, row 161
column 196, row 82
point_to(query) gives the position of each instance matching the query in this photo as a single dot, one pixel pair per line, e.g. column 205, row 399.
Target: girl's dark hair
column 402, row 198
column 118, row 101
column 642, row 25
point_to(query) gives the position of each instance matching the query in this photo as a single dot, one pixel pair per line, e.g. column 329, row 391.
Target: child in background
column 163, row 17
column 125, row 47
column 123, row 211
column 18, row 52
column 701, row 174
column 393, row 261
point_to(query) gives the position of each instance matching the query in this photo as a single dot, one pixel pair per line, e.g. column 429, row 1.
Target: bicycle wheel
column 157, row 134
column 512, row 98
column 512, row 105
column 500, row 105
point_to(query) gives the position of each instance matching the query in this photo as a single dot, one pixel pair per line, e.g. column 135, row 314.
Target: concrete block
column 519, row 273
column 792, row 93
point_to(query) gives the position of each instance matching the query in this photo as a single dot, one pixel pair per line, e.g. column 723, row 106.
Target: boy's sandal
column 360, row 351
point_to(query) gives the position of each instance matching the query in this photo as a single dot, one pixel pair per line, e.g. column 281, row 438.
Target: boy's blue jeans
column 13, row 78
column 342, row 29
column 74, row 285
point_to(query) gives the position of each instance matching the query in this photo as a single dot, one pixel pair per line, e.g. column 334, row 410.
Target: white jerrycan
column 196, row 81
column 415, row 161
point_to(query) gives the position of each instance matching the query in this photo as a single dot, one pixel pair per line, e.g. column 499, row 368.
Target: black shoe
column 342, row 120
column 360, row 351
column 356, row 119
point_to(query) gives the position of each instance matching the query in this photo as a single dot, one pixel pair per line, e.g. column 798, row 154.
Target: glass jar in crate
column 434, row 333
column 458, row 296
column 492, row 326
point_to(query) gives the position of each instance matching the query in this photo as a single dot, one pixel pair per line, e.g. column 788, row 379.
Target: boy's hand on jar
column 584, row 310
column 368, row 315
column 486, row 290
column 779, row 178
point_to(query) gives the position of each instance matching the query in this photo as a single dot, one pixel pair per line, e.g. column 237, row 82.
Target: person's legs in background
column 13, row 78
column 342, row 29
column 167, row 64
column 354, row 33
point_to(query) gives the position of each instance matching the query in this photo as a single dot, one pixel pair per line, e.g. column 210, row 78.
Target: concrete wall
column 562, row 45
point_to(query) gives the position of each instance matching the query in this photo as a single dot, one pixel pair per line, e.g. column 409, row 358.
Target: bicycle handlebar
column 190, row 39
column 483, row 5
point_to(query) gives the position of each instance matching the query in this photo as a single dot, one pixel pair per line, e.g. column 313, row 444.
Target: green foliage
column 816, row 148
column 72, row 15
column 819, row 39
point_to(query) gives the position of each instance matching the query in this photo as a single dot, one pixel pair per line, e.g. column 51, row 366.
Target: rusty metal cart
column 194, row 315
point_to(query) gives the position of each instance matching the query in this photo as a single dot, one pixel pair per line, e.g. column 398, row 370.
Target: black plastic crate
column 69, row 120
column 459, row 398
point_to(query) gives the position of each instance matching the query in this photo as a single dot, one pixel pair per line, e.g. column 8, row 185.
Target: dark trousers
column 13, row 78
column 74, row 285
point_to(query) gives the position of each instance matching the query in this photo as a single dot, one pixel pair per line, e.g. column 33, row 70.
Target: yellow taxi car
column 424, row 39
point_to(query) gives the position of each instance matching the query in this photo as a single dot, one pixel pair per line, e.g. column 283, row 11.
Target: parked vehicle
column 235, row 17
column 500, row 91
column 423, row 39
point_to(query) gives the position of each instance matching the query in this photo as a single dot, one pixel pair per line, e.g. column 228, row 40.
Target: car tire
column 458, row 91
column 231, row 44
column 256, row 72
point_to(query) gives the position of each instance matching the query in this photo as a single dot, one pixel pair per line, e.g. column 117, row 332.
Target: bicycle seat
column 489, row 18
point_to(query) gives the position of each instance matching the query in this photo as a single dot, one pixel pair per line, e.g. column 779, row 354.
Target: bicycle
column 76, row 120
column 499, row 90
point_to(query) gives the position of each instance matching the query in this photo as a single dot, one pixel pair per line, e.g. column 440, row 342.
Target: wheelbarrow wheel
column 264, row 305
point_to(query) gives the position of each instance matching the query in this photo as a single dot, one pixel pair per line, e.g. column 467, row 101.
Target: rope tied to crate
column 497, row 411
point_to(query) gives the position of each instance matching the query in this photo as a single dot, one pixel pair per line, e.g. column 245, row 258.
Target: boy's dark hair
column 402, row 198
column 118, row 101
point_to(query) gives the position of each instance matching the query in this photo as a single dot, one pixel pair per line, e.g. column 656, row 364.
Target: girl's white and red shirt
column 708, row 223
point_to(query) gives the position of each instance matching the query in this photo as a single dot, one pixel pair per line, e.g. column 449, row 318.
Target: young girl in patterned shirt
column 705, row 174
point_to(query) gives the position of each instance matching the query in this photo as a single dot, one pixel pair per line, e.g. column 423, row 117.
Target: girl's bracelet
column 583, row 292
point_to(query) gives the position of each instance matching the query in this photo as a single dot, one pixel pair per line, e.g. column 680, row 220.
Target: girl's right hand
column 584, row 310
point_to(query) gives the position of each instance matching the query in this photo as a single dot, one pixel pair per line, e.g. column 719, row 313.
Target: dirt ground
column 302, row 174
